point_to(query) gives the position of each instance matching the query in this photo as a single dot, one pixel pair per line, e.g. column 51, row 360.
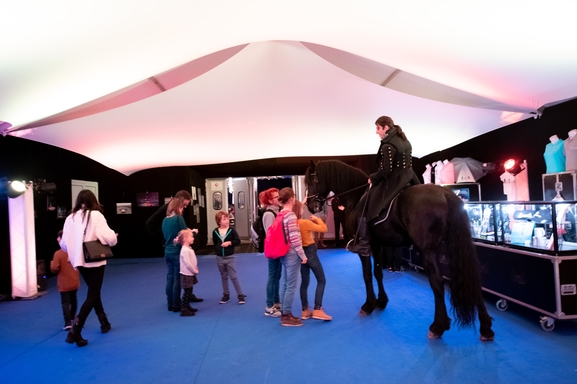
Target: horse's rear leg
column 441, row 322
column 382, row 299
column 486, row 321
column 371, row 302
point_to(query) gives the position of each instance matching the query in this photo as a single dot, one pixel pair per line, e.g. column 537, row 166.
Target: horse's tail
column 465, row 283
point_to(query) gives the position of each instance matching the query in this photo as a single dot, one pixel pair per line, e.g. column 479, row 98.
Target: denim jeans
column 173, row 280
column 314, row 264
column 291, row 272
column 227, row 268
column 273, row 284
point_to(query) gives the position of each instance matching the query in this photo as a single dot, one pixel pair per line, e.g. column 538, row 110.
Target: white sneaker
column 272, row 312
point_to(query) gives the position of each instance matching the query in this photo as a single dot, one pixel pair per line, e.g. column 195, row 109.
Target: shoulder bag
column 94, row 250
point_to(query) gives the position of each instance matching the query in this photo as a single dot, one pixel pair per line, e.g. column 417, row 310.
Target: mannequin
column 427, row 174
column 438, row 167
column 509, row 187
column 554, row 157
column 570, row 151
column 448, row 173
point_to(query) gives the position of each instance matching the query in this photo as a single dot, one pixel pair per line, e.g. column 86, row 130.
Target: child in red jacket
column 68, row 281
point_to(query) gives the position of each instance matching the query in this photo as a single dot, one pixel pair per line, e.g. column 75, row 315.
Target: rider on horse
column 395, row 173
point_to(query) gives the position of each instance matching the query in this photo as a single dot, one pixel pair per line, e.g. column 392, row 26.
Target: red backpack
column 276, row 243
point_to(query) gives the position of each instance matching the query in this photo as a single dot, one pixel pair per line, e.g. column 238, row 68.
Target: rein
column 350, row 190
column 323, row 199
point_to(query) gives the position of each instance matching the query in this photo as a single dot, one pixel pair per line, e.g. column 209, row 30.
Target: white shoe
column 272, row 312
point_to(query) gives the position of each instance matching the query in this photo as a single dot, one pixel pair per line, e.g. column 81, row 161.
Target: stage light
column 514, row 166
column 509, row 164
column 12, row 189
column 490, row 167
column 48, row 187
column 15, row 188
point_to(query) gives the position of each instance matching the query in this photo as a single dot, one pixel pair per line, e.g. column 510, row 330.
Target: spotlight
column 12, row 189
column 41, row 186
column 48, row 187
column 490, row 167
column 16, row 188
column 514, row 166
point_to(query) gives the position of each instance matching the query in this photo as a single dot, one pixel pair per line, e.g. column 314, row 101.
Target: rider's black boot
column 362, row 243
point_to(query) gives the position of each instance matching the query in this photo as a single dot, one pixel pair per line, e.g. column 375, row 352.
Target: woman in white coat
column 87, row 215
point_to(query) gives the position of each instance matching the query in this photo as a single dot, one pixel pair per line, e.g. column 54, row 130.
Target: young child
column 224, row 240
column 188, row 270
column 68, row 281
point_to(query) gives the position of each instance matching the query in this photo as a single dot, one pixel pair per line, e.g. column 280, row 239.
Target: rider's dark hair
column 386, row 120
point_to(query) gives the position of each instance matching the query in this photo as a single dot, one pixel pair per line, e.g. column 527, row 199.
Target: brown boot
column 319, row 314
column 290, row 321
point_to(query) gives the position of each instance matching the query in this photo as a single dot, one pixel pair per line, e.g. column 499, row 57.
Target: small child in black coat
column 225, row 239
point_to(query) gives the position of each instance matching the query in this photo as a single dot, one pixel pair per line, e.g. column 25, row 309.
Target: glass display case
column 540, row 226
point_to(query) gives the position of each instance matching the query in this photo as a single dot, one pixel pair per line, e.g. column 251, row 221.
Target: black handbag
column 94, row 250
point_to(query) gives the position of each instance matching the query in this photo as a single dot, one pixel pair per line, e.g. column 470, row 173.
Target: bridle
column 321, row 200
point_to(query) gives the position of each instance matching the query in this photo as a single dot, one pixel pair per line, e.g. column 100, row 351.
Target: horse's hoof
column 363, row 313
column 484, row 338
column 431, row 335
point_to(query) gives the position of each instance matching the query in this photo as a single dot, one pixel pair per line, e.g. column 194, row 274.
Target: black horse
column 429, row 217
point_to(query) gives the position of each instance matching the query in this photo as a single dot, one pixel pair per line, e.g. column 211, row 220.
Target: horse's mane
column 337, row 176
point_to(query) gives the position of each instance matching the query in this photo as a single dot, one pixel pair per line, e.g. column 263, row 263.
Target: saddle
column 384, row 215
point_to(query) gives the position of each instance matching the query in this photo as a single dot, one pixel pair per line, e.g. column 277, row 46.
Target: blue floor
column 234, row 343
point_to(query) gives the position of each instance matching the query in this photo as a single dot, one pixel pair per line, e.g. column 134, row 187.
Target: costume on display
column 570, row 151
column 438, row 167
column 427, row 174
column 554, row 157
column 447, row 173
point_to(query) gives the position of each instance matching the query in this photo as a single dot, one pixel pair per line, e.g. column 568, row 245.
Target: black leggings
column 93, row 278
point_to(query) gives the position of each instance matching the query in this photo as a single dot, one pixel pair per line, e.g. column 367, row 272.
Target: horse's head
column 316, row 197
column 327, row 176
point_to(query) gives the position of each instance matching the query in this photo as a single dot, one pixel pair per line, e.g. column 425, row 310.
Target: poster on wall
column 201, row 201
column 123, row 208
column 193, row 194
column 167, row 200
column 196, row 213
column 147, row 199
column 61, row 212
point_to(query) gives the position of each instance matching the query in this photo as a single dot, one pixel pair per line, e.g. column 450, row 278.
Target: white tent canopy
column 141, row 84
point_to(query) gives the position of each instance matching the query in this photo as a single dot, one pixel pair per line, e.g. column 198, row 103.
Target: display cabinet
column 547, row 227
